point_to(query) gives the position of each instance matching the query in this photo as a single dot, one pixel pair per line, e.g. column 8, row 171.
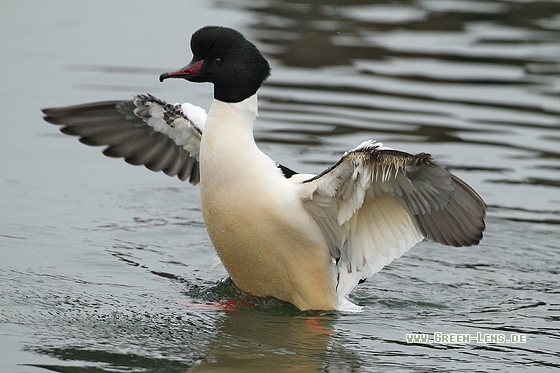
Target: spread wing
column 376, row 203
column 144, row 131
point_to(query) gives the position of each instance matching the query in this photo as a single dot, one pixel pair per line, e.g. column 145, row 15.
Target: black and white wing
column 376, row 203
column 144, row 131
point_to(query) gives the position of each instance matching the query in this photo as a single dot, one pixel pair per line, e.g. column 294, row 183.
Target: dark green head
column 224, row 57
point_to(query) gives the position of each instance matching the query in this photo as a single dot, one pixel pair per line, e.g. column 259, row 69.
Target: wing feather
column 144, row 131
column 376, row 203
column 163, row 159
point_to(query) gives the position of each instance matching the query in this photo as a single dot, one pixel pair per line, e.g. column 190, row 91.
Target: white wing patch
column 182, row 123
column 379, row 232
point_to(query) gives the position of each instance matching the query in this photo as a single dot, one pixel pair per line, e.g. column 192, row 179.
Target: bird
column 306, row 239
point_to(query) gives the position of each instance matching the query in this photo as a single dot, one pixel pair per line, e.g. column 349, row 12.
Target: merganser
column 304, row 239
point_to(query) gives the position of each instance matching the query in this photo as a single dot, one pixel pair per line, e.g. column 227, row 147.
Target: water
column 107, row 267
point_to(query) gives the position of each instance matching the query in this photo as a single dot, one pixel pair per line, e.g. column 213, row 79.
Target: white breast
column 268, row 242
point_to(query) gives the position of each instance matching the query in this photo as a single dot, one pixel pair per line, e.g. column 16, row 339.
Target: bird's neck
column 231, row 164
column 231, row 118
column 227, row 144
column 235, row 93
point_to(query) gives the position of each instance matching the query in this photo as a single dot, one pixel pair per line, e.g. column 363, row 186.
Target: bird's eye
column 217, row 61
